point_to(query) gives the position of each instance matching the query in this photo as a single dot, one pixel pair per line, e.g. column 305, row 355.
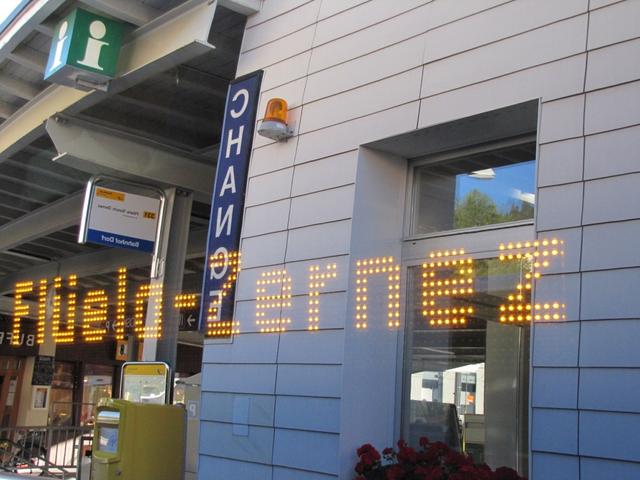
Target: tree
column 476, row 208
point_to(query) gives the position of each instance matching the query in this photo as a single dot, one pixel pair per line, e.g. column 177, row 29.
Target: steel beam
column 29, row 58
column 100, row 262
column 245, row 7
column 98, row 150
column 47, row 27
column 34, row 14
column 18, row 87
column 171, row 39
column 6, row 109
column 136, row 13
column 56, row 216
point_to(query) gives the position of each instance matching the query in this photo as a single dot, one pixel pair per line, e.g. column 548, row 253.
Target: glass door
column 97, row 384
column 466, row 369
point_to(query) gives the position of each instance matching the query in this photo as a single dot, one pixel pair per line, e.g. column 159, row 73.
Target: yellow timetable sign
column 110, row 194
column 145, row 369
column 145, row 382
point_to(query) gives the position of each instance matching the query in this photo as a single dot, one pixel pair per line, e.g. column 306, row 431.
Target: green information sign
column 85, row 46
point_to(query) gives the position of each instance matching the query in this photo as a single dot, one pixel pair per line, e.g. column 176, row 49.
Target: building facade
column 445, row 246
column 399, row 109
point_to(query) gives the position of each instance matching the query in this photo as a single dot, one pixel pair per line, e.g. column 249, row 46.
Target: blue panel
column 317, row 452
column 554, row 431
column 215, row 468
column 610, row 435
column 223, row 241
column 547, row 466
column 280, row 473
column 308, row 413
column 556, row 344
column 220, row 440
column 120, row 241
column 597, row 469
column 610, row 343
column 555, row 387
column 597, row 385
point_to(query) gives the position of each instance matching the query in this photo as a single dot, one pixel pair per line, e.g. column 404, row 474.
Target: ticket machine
column 136, row 441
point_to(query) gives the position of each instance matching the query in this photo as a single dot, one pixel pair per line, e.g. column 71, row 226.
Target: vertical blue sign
column 222, row 261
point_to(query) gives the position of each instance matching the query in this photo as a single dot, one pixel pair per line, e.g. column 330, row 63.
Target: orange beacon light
column 274, row 124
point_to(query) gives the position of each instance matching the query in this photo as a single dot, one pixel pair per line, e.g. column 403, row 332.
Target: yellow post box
column 138, row 441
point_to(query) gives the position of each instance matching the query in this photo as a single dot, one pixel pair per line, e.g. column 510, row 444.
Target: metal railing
column 52, row 451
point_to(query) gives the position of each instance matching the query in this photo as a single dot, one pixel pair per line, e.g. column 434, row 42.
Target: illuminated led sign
column 222, row 258
column 447, row 281
column 447, row 274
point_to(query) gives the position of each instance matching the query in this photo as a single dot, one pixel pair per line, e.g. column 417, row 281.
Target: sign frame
column 96, row 181
column 223, row 238
column 167, row 377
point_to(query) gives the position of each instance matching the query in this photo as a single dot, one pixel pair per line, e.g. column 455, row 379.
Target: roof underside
column 180, row 108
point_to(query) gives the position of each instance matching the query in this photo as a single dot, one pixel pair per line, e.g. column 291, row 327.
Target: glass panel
column 482, row 189
column 108, row 439
column 13, row 385
column 61, row 407
column 63, row 375
column 468, row 361
column 109, row 416
column 97, row 383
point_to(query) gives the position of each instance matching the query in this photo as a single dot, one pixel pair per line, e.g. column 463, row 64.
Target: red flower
column 453, row 458
column 395, row 472
column 505, row 473
column 367, row 448
column 407, row 455
column 434, row 461
column 437, row 450
column 430, row 473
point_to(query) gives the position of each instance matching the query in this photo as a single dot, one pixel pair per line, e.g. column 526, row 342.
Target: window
column 486, row 186
column 467, row 361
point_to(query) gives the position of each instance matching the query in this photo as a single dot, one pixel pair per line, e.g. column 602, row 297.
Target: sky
column 6, row 6
column 519, row 176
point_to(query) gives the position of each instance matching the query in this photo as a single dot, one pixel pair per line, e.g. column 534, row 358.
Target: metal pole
column 173, row 250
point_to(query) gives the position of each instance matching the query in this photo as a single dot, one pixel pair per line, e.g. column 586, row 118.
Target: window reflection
column 485, row 188
column 467, row 385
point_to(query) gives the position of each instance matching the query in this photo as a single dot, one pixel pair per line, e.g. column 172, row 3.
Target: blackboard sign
column 42, row 371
